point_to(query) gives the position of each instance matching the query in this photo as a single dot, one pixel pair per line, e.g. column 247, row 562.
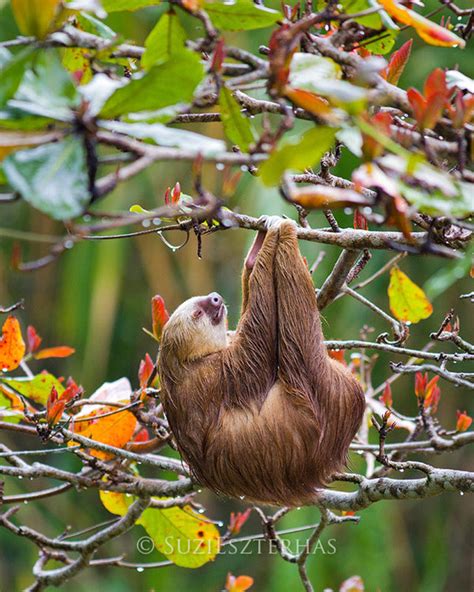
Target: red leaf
column 360, row 221
column 436, row 84
column 386, row 397
column 218, row 56
column 159, row 315
column 176, row 193
column 397, row 63
column 34, row 340
column 145, row 370
column 434, row 110
column 238, row 520
column 418, row 104
column 167, row 196
column 60, row 351
column 420, row 384
column 337, row 354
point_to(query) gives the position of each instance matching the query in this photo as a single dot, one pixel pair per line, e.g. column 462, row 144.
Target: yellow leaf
column 35, row 17
column 408, row 302
column 183, row 536
column 430, row 32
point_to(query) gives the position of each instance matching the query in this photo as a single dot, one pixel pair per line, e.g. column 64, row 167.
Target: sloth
column 267, row 415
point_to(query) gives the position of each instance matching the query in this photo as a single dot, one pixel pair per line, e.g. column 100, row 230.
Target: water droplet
column 156, row 221
column 347, row 211
column 201, row 511
column 146, row 223
column 219, row 523
column 140, row 569
column 461, row 493
column 4, row 369
column 244, row 168
column 367, row 210
column 199, row 490
column 220, row 166
column 87, row 218
column 407, row 323
column 25, row 502
column 20, row 476
column 69, row 244
column 402, row 470
column 298, row 508
column 241, row 497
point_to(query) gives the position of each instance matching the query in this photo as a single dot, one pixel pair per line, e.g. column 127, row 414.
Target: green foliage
column 163, row 85
column 51, row 177
column 237, row 127
column 298, row 154
column 240, row 15
column 166, row 40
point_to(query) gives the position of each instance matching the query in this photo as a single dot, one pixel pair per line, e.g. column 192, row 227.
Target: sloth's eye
column 197, row 314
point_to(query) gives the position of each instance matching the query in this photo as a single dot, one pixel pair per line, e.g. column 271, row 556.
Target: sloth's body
column 267, row 416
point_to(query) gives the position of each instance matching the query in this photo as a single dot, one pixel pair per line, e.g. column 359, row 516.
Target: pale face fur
column 198, row 327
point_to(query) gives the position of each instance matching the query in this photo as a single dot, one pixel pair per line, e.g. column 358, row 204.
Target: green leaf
column 52, row 177
column 236, row 126
column 36, row 389
column 16, row 119
column 382, row 43
column 167, row 136
column 47, row 90
column 90, row 24
column 165, row 84
column 241, row 15
column 12, row 70
column 373, row 21
column 165, row 40
column 437, row 203
column 131, row 5
column 164, row 115
column 298, row 154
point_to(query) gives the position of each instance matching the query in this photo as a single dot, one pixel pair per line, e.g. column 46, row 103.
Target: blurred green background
column 96, row 299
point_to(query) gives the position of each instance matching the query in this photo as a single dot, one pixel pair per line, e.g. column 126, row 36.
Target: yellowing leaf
column 183, row 536
column 35, row 17
column 408, row 302
column 12, row 346
column 430, row 32
column 37, row 388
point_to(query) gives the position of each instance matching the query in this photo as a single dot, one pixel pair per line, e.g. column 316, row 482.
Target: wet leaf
column 240, row 15
column 12, row 346
column 408, row 302
column 12, row 70
column 183, row 536
column 166, row 39
column 237, row 127
column 297, row 154
column 167, row 136
column 35, row 17
column 37, row 389
column 165, row 84
column 52, row 178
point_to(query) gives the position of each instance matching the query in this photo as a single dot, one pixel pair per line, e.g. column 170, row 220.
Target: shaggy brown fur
column 269, row 416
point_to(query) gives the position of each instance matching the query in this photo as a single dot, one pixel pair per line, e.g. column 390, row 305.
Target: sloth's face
column 199, row 325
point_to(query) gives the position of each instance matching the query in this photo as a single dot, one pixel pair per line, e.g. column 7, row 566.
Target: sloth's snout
column 214, row 307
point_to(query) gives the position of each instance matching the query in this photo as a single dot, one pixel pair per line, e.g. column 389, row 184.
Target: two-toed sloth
column 268, row 416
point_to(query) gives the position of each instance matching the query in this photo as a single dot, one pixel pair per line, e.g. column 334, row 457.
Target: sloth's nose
column 215, row 299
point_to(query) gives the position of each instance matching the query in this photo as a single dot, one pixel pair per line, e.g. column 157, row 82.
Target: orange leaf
column 238, row 584
column 61, row 351
column 360, row 221
column 430, row 32
column 12, row 346
column 310, row 102
column 115, row 430
column 145, row 370
column 238, row 520
column 323, row 196
column 397, row 63
column 337, row 354
column 463, row 422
